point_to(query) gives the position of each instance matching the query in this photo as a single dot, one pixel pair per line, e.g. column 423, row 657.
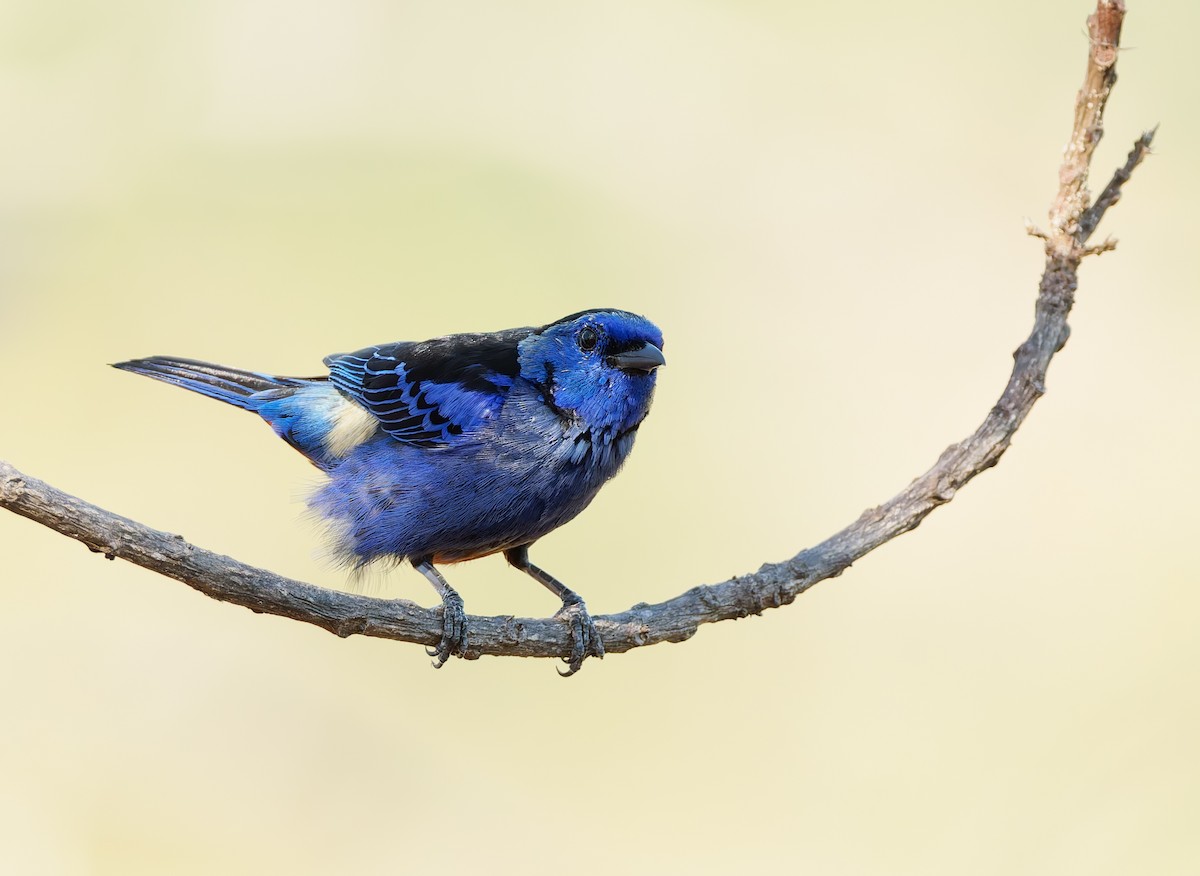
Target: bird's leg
column 454, row 618
column 585, row 640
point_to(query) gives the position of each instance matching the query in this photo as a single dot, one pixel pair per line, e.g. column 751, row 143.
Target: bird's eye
column 588, row 339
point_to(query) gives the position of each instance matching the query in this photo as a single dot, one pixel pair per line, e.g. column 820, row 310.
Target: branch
column 1072, row 222
column 1112, row 192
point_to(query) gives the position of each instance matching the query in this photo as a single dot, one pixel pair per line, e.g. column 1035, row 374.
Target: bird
column 458, row 447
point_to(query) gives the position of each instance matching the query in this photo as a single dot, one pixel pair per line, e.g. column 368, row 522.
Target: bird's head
column 598, row 366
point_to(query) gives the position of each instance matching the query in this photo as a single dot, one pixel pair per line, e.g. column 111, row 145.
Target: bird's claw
column 585, row 638
column 454, row 633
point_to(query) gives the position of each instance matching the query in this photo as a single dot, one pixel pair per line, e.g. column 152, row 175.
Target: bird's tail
column 231, row 385
column 309, row 413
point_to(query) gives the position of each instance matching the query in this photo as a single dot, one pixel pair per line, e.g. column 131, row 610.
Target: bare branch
column 1071, row 223
column 1104, row 36
column 1112, row 192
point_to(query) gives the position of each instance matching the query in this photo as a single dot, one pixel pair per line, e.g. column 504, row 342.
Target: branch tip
column 1109, row 244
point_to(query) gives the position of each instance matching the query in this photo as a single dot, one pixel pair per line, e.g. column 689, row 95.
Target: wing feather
column 432, row 393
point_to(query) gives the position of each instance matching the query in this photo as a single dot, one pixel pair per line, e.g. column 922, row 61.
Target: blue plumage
column 461, row 446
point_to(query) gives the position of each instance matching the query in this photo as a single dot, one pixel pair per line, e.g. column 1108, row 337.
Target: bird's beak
column 644, row 359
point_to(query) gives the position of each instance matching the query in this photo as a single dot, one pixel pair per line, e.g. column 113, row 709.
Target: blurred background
column 822, row 206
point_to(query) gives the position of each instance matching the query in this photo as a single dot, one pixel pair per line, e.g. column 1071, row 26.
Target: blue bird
column 458, row 447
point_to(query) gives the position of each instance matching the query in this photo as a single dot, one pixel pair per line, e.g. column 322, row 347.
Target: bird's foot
column 585, row 639
column 454, row 632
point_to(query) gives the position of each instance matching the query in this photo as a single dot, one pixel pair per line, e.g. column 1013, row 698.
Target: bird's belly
column 450, row 505
column 533, row 515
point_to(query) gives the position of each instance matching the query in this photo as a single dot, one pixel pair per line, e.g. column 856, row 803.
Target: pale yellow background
column 821, row 205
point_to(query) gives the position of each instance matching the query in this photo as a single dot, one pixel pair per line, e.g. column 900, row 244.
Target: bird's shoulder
column 435, row 392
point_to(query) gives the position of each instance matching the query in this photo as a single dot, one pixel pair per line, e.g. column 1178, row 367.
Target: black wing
column 431, row 393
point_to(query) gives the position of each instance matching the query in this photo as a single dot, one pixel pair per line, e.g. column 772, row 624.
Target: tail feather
column 230, row 385
column 310, row 414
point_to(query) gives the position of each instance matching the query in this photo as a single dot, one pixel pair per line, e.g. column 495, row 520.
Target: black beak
column 644, row 359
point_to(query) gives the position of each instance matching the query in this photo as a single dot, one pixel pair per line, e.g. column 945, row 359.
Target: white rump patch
column 350, row 424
